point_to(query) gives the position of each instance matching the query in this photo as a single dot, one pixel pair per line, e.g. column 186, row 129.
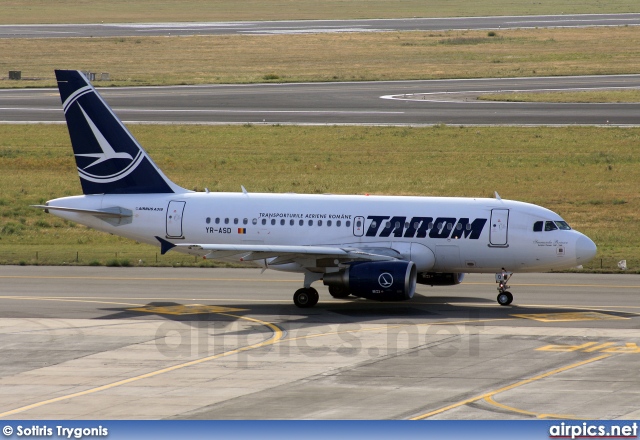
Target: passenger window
column 550, row 226
column 226, row 221
column 328, row 222
column 291, row 222
column 459, row 227
column 254, row 221
column 245, row 221
column 310, row 222
column 537, row 226
column 348, row 223
column 208, row 220
column 235, row 221
column 282, row 222
column 264, row 221
column 319, row 222
column 374, row 224
column 273, row 221
column 358, row 223
column 217, row 220
column 301, row 223
column 338, row 223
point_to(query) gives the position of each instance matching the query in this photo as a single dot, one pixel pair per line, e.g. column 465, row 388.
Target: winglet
column 165, row 246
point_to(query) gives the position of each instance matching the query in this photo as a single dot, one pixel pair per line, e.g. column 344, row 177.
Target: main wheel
column 338, row 292
column 505, row 298
column 306, row 297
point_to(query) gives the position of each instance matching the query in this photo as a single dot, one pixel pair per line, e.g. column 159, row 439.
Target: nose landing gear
column 504, row 296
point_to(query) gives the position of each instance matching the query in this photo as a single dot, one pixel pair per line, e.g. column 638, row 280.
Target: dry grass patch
column 587, row 175
column 599, row 96
column 321, row 57
column 126, row 11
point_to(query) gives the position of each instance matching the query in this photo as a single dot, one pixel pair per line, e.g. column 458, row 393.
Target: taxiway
column 102, row 343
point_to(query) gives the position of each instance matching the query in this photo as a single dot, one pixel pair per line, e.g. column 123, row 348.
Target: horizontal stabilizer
column 115, row 212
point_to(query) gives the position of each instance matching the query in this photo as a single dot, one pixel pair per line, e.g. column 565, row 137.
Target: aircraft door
column 175, row 211
column 358, row 226
column 499, row 233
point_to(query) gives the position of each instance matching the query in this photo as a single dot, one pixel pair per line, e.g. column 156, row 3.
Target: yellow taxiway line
column 277, row 335
column 490, row 394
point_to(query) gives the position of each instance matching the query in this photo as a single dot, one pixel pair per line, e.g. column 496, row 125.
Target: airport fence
column 151, row 257
column 105, row 258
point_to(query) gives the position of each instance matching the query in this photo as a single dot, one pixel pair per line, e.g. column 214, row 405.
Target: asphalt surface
column 152, row 343
column 313, row 26
column 383, row 103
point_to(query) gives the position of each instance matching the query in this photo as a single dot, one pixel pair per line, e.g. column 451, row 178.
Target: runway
column 313, row 26
column 154, row 343
column 376, row 103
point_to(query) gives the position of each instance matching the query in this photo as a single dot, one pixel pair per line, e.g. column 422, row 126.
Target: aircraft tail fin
column 108, row 157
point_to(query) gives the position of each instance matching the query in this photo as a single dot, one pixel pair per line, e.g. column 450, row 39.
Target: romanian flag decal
column 242, row 230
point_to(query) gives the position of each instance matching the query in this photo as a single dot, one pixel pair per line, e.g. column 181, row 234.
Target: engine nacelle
column 440, row 279
column 379, row 280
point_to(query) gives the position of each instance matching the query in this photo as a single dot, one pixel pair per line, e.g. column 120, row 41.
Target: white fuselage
column 439, row 234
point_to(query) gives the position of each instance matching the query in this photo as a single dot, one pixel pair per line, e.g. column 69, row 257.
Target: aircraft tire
column 306, row 297
column 338, row 292
column 505, row 298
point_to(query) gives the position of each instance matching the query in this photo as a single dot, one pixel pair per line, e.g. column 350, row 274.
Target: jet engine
column 379, row 280
column 440, row 279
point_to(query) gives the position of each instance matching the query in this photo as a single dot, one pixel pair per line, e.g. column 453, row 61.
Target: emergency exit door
column 358, row 226
column 174, row 219
column 499, row 233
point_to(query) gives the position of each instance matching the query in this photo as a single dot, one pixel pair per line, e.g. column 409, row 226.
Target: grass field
column 125, row 11
column 588, row 175
column 322, row 57
column 608, row 96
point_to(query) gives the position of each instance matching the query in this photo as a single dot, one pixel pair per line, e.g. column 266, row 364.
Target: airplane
column 373, row 247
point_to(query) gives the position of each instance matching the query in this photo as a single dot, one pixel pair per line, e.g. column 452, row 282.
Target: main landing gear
column 504, row 296
column 338, row 292
column 306, row 297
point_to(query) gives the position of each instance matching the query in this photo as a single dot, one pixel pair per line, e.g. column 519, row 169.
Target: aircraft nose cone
column 585, row 249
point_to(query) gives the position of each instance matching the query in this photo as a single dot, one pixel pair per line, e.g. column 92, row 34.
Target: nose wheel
column 306, row 297
column 504, row 296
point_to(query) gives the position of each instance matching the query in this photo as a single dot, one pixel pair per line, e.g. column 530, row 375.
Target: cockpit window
column 551, row 226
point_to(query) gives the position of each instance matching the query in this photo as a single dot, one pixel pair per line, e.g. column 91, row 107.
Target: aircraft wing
column 284, row 254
